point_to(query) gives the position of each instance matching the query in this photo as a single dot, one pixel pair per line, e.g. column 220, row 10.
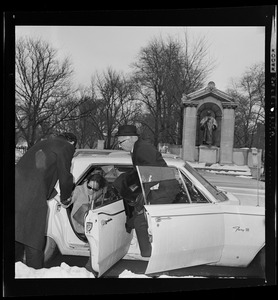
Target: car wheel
column 51, row 249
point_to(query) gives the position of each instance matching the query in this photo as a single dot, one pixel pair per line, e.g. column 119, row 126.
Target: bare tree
column 249, row 92
column 44, row 94
column 164, row 71
column 111, row 104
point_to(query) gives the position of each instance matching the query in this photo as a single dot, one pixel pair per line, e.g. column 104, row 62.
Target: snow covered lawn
column 65, row 271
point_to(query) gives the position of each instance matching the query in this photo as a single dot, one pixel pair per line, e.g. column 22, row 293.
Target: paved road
column 233, row 181
column 251, row 197
column 249, row 191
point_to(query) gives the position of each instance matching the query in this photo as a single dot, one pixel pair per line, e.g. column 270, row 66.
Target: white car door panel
column 184, row 235
column 60, row 230
column 244, row 234
column 107, row 236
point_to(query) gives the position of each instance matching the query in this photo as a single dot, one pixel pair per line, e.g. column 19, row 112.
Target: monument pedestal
column 208, row 154
column 100, row 144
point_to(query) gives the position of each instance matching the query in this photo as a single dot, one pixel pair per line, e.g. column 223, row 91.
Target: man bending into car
column 36, row 174
column 143, row 154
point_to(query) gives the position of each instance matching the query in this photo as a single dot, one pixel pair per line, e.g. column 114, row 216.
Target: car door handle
column 58, row 207
column 104, row 222
column 159, row 219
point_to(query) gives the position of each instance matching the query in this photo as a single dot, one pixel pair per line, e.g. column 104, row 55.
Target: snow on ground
column 65, row 271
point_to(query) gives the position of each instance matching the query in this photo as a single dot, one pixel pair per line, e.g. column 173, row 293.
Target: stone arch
column 217, row 113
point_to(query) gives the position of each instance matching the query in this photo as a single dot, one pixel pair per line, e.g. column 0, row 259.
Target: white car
column 204, row 226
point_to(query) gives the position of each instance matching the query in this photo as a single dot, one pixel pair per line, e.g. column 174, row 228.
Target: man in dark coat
column 143, row 153
column 36, row 174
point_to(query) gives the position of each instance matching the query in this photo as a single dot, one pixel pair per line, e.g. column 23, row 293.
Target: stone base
column 208, row 154
column 100, row 144
column 255, row 172
column 239, row 156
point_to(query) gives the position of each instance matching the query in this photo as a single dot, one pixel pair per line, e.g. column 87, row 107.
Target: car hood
column 232, row 199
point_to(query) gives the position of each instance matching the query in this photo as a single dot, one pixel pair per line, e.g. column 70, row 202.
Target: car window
column 110, row 173
column 196, row 195
column 108, row 197
column 219, row 195
column 162, row 185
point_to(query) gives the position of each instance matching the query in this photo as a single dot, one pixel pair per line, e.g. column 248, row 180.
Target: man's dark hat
column 127, row 130
column 69, row 137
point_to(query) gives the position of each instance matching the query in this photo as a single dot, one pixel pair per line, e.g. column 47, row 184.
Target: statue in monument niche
column 208, row 125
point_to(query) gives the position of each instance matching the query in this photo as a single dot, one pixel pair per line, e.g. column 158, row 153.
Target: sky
column 95, row 48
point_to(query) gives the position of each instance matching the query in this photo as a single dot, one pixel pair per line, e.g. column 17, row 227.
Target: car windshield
column 219, row 195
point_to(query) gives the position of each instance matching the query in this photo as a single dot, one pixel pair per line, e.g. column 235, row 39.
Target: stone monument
column 208, row 126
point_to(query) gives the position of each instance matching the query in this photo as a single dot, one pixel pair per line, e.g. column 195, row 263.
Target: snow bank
column 129, row 274
column 64, row 271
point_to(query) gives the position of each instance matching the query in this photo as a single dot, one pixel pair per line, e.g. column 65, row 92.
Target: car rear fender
column 244, row 234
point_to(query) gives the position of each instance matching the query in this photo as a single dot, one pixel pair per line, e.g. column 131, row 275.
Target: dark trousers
column 141, row 228
column 34, row 257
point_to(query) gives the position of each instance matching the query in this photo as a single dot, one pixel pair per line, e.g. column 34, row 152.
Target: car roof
column 83, row 158
column 90, row 152
column 113, row 153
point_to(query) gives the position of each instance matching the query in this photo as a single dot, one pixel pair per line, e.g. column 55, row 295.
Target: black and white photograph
column 144, row 151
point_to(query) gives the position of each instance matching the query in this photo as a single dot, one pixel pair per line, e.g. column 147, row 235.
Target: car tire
column 51, row 249
column 258, row 263
column 261, row 259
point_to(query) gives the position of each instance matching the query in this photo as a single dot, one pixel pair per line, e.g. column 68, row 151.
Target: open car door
column 107, row 235
column 183, row 233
